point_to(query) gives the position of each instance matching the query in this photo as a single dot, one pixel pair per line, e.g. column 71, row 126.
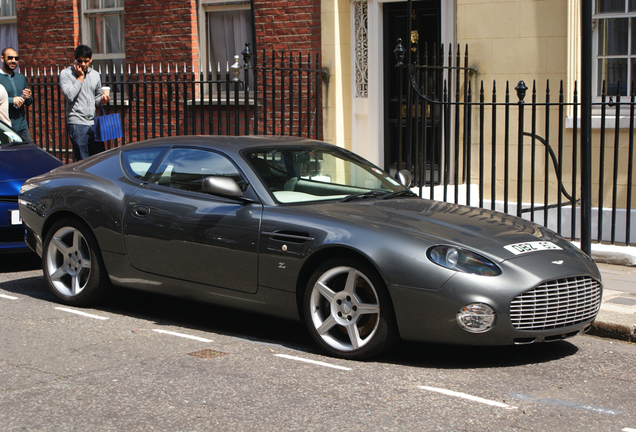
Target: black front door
column 424, row 46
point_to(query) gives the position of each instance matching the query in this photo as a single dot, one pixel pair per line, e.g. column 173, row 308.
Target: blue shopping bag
column 108, row 127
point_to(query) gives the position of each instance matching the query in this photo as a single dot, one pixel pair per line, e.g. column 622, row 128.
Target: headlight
column 462, row 260
column 476, row 318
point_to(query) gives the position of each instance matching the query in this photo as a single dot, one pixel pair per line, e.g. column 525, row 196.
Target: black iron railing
column 519, row 155
column 278, row 96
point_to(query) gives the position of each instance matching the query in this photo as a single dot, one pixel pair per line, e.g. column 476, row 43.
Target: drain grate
column 207, row 354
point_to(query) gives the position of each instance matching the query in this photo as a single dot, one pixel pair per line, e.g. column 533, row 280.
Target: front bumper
column 430, row 315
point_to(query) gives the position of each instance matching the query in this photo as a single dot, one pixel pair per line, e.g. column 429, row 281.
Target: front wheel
column 72, row 264
column 348, row 310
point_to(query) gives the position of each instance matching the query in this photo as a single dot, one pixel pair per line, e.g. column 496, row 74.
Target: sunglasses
column 83, row 61
column 13, row 57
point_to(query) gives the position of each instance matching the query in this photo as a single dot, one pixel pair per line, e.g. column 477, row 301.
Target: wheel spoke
column 75, row 284
column 325, row 291
column 58, row 273
column 350, row 285
column 61, row 247
column 86, row 263
column 354, row 335
column 326, row 325
column 77, row 241
column 368, row 309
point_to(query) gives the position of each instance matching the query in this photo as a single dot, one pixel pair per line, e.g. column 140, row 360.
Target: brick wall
column 47, row 32
column 288, row 25
column 159, row 31
column 162, row 31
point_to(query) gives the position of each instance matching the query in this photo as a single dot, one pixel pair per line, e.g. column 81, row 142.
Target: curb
column 613, row 331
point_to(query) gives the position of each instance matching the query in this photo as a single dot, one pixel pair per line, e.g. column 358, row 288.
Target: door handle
column 140, row 211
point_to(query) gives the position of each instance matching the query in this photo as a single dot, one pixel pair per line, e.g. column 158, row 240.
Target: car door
column 172, row 228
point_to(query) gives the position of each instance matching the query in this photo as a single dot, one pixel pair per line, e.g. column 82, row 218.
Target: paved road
column 146, row 362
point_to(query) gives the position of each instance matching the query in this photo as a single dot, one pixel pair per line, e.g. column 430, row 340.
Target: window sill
column 191, row 102
column 610, row 122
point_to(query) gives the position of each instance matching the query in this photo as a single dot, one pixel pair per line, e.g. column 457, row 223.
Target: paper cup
column 106, row 91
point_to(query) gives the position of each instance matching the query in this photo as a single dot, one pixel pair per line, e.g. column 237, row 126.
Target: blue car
column 19, row 160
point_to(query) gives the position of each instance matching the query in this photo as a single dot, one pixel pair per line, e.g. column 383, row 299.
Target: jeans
column 83, row 140
column 25, row 134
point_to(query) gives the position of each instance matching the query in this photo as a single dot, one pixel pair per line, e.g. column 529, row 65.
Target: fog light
column 476, row 318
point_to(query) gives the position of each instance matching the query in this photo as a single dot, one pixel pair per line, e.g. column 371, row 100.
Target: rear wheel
column 348, row 310
column 72, row 264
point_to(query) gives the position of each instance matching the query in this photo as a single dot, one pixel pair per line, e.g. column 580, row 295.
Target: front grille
column 9, row 199
column 556, row 304
column 12, row 234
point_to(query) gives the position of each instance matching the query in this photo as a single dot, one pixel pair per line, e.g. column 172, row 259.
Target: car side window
column 185, row 169
column 139, row 163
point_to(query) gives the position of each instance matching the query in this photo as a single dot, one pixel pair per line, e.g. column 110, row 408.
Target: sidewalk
column 617, row 317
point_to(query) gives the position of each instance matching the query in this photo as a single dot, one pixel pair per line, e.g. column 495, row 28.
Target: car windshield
column 307, row 174
column 9, row 137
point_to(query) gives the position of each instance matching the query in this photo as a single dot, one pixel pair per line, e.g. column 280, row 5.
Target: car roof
column 232, row 144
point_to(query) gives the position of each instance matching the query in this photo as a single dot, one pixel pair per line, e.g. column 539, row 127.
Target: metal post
column 586, row 126
column 521, row 94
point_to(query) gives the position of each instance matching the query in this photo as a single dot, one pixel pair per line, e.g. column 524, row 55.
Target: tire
column 348, row 310
column 72, row 264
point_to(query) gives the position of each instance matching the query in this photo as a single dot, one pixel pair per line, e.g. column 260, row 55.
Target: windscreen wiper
column 398, row 194
column 364, row 195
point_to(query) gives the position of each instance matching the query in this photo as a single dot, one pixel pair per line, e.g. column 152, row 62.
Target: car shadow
column 10, row 263
column 171, row 311
column 164, row 310
column 475, row 357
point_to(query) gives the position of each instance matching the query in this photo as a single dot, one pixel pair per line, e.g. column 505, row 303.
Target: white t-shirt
column 4, row 106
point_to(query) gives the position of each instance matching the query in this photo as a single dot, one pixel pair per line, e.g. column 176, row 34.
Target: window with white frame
column 103, row 31
column 227, row 26
column 8, row 24
column 615, row 46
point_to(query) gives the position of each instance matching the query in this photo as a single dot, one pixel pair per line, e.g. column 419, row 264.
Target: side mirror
column 404, row 177
column 224, row 186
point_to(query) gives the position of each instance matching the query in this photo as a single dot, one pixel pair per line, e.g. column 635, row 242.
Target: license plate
column 521, row 248
column 15, row 217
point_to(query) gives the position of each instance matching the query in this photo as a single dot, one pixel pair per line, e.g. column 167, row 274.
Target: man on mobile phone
column 82, row 88
column 17, row 90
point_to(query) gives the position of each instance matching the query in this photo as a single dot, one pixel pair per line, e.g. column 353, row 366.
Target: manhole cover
column 623, row 301
column 207, row 354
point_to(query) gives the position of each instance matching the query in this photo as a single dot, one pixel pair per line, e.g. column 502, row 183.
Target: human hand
column 26, row 93
column 105, row 99
column 18, row 101
column 79, row 70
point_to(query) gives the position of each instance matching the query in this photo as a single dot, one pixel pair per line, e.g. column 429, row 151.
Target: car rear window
column 139, row 163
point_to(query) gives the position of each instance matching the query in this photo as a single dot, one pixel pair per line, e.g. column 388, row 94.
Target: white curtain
column 227, row 33
column 9, row 36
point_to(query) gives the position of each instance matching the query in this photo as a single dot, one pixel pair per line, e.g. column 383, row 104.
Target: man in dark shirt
column 19, row 95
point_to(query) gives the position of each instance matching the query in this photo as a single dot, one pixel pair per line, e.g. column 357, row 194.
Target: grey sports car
column 304, row 230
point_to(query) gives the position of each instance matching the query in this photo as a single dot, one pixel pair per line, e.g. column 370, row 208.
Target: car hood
column 22, row 162
column 483, row 231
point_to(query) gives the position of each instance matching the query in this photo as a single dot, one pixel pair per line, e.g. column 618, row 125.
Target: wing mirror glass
column 404, row 177
column 224, row 186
